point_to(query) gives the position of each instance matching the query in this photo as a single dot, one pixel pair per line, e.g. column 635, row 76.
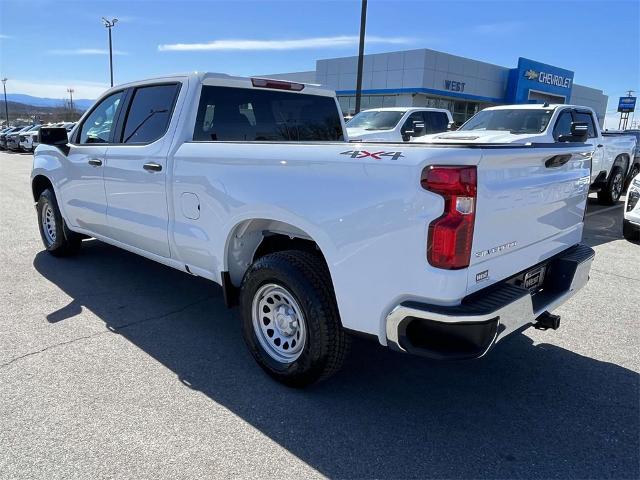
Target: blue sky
column 47, row 46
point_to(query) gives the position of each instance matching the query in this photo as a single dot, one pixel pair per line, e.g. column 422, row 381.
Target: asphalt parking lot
column 112, row 366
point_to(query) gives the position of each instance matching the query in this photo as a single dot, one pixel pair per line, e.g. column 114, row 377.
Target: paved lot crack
column 108, row 330
column 615, row 275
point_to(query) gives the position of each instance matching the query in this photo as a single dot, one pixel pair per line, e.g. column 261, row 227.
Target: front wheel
column 610, row 194
column 290, row 318
column 56, row 237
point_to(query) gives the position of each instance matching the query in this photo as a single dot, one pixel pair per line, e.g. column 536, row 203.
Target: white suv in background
column 631, row 221
column 397, row 124
column 29, row 139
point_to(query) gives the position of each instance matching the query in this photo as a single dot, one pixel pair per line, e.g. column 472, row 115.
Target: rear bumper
column 470, row 329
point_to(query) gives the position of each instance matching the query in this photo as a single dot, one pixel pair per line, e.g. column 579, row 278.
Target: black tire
column 630, row 232
column 306, row 277
column 59, row 241
column 635, row 170
column 610, row 194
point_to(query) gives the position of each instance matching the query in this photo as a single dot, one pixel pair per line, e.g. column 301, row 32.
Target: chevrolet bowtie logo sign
column 531, row 74
column 548, row 78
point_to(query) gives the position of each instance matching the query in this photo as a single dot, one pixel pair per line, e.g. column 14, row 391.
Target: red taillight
column 451, row 235
column 277, row 84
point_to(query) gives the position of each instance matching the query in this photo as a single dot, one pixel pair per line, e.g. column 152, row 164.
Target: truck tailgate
column 530, row 206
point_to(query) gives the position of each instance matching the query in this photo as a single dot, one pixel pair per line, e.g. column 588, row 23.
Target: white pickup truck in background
column 437, row 250
column 612, row 155
column 397, row 124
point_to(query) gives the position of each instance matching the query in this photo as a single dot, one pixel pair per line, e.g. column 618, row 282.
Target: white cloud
column 90, row 90
column 295, row 44
column 85, row 51
column 4, row 37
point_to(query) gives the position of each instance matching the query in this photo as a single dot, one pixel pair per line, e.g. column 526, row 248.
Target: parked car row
column 24, row 138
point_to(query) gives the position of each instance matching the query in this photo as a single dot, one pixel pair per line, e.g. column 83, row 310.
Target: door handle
column 152, row 167
column 557, row 161
column 600, row 146
column 95, row 162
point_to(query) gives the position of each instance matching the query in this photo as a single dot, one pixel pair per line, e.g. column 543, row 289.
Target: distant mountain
column 80, row 103
column 21, row 113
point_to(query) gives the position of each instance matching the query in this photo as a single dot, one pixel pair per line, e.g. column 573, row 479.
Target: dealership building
column 427, row 78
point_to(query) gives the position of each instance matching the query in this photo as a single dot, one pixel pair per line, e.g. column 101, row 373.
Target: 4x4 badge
column 374, row 155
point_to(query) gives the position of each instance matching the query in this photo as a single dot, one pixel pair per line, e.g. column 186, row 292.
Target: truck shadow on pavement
column 524, row 410
column 602, row 224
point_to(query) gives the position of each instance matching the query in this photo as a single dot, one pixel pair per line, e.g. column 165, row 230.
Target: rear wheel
column 610, row 194
column 290, row 319
column 56, row 237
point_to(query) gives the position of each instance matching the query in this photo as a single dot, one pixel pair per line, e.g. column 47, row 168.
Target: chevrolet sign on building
column 551, row 79
column 535, row 82
column 428, row 78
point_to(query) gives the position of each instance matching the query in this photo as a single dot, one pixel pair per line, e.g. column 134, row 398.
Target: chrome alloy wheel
column 618, row 182
column 278, row 323
column 49, row 224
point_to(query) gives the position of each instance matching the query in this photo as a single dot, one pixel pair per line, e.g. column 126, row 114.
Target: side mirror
column 579, row 131
column 56, row 137
column 451, row 127
column 416, row 131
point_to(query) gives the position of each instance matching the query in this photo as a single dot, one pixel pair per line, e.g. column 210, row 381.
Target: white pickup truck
column 435, row 250
column 397, row 124
column 612, row 158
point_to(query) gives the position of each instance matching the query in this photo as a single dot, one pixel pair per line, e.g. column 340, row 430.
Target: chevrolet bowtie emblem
column 531, row 74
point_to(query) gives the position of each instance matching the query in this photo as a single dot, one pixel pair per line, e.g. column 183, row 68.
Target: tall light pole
column 6, row 105
column 70, row 91
column 110, row 24
column 363, row 25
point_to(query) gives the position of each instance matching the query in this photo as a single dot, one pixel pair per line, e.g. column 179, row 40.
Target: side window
column 436, row 122
column 414, row 123
column 588, row 119
column 149, row 114
column 563, row 125
column 251, row 114
column 99, row 124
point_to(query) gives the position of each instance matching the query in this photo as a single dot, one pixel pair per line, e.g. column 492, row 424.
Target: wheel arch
column 252, row 238
column 623, row 160
column 39, row 184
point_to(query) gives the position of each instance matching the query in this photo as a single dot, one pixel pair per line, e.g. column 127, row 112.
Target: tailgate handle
column 557, row 161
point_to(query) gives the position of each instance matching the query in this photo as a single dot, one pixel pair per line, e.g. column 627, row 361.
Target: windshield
column 513, row 121
column 375, row 120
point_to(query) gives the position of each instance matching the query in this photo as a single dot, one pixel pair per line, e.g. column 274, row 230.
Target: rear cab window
column 244, row 114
